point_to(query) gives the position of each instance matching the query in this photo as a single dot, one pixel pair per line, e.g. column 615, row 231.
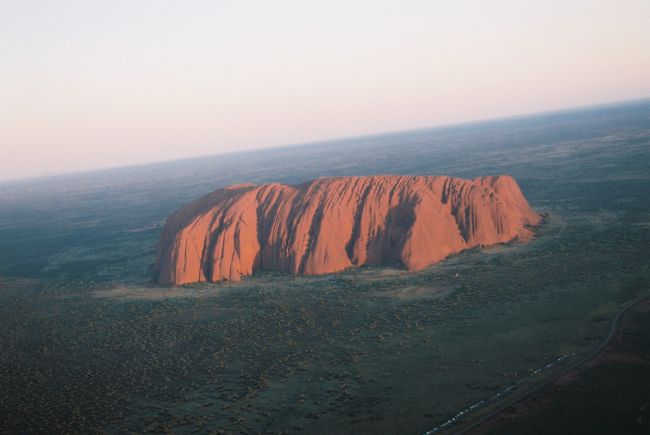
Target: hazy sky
column 86, row 84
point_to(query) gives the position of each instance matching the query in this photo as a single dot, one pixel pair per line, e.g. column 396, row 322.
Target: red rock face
column 330, row 224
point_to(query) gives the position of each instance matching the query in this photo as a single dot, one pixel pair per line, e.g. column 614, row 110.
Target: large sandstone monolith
column 330, row 224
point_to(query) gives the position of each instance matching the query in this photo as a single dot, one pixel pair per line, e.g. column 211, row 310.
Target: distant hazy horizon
column 87, row 85
column 335, row 139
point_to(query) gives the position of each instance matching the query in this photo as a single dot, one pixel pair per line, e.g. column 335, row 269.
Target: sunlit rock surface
column 330, row 224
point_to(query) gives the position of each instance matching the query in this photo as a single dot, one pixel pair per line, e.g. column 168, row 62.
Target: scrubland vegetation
column 89, row 343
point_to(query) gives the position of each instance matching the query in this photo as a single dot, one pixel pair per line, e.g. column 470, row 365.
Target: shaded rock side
column 330, row 224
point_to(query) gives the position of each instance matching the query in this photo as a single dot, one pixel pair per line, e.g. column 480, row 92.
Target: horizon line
column 332, row 140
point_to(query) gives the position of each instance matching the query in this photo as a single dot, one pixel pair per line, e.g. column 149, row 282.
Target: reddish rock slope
column 329, row 224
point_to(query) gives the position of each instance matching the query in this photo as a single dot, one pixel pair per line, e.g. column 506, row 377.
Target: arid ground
column 90, row 344
column 607, row 394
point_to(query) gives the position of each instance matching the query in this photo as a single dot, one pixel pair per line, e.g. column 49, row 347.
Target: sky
column 89, row 84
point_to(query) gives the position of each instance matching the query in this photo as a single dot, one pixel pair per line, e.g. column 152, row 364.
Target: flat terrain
column 90, row 344
column 608, row 394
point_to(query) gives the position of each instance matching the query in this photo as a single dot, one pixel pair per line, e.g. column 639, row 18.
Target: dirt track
column 604, row 376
